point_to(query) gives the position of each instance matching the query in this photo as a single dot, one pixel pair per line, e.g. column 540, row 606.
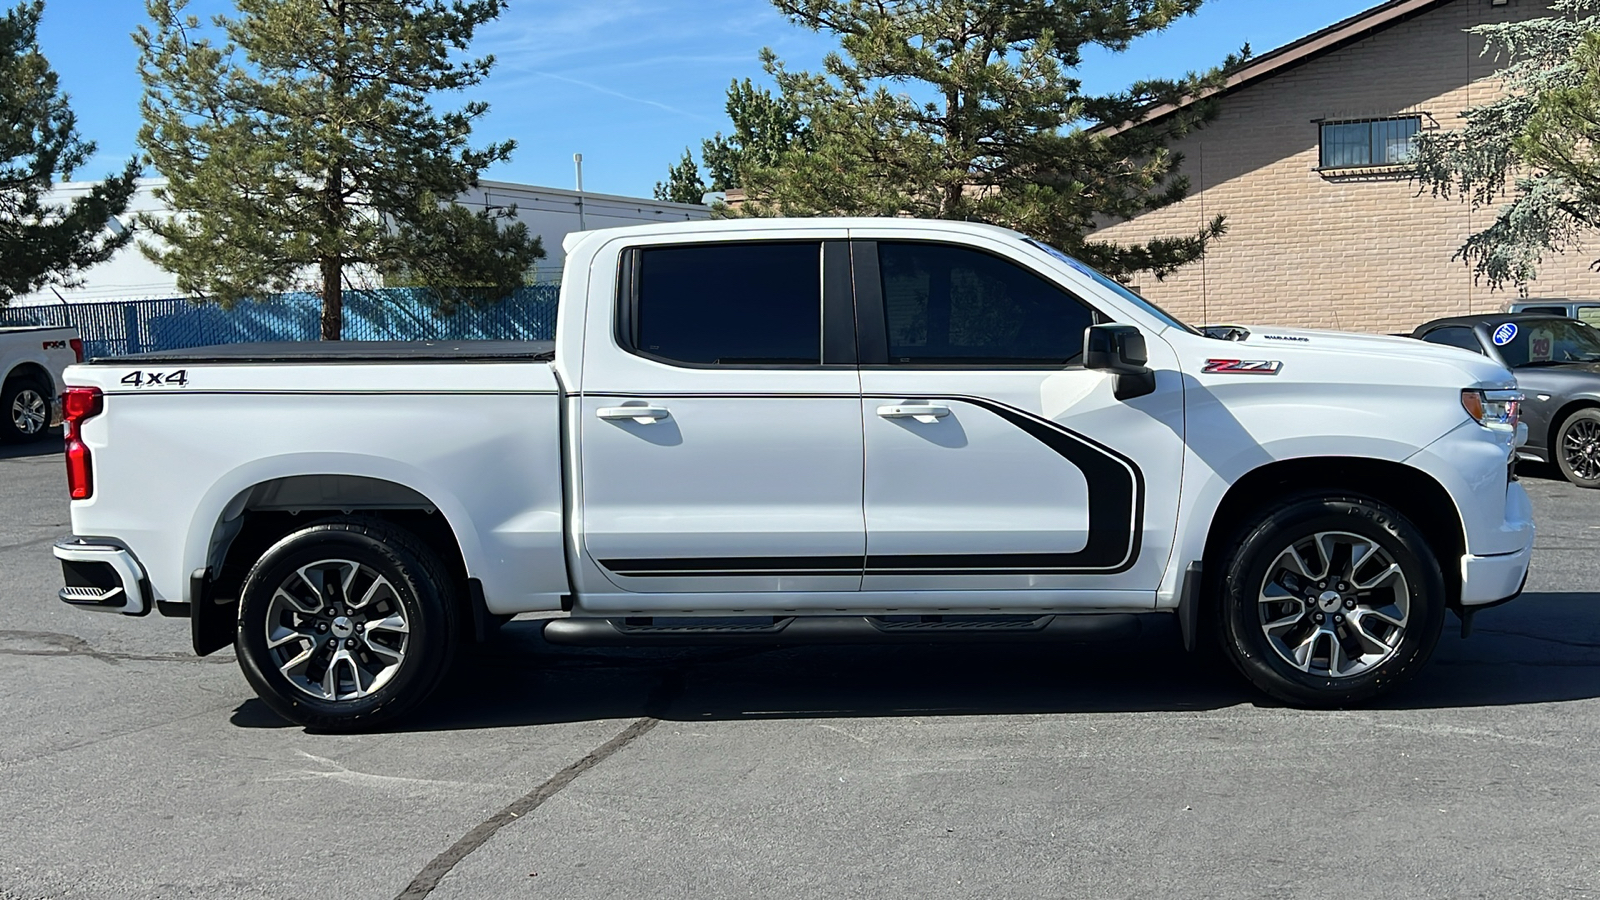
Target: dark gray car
column 1557, row 364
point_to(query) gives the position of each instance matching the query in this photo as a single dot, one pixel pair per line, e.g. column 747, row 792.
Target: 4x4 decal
column 1242, row 367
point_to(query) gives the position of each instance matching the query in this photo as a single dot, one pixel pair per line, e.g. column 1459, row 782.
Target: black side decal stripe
column 1116, row 512
column 742, row 573
column 1116, row 524
column 700, row 567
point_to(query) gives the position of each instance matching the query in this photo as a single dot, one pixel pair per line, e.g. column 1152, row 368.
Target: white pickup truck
column 32, row 360
column 824, row 430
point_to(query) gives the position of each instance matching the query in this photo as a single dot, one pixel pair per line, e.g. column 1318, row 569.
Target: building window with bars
column 1375, row 142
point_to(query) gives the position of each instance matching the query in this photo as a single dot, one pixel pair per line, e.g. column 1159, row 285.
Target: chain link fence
column 121, row 327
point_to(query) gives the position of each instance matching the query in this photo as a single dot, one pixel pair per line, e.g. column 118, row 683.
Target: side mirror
column 1120, row 349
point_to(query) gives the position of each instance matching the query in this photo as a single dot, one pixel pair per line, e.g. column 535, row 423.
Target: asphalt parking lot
column 128, row 768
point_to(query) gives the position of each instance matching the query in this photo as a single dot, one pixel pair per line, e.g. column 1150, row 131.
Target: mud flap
column 1189, row 606
column 212, row 623
column 484, row 623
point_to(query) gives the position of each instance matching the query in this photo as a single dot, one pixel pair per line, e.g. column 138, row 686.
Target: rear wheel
column 1331, row 601
column 346, row 624
column 24, row 411
column 1577, row 449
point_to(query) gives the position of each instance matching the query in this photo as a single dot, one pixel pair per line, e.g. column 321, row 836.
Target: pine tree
column 683, row 184
column 764, row 128
column 304, row 148
column 972, row 109
column 43, row 242
column 1530, row 153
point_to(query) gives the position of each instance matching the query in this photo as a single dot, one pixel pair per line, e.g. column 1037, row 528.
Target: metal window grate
column 1374, row 142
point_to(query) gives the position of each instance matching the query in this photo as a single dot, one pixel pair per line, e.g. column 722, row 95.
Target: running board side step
column 841, row 630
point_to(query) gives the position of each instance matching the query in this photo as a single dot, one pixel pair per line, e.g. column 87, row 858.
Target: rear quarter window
column 1455, row 336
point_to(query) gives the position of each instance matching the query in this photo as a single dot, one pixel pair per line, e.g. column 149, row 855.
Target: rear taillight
column 77, row 348
column 79, row 405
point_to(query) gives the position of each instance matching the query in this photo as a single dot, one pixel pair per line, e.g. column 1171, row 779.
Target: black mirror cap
column 1131, row 386
column 1120, row 349
column 1115, row 348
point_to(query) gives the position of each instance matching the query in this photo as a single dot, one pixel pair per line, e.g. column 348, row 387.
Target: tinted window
column 954, row 306
column 1455, row 337
column 1546, row 341
column 731, row 304
column 1547, row 310
column 1117, row 287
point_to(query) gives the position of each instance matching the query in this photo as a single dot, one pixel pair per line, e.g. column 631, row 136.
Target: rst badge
column 1242, row 367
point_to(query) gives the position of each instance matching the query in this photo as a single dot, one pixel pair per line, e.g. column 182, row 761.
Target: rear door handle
column 644, row 415
column 926, row 413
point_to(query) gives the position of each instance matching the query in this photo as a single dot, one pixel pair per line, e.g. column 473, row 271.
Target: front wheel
column 1577, row 449
column 346, row 624
column 1330, row 601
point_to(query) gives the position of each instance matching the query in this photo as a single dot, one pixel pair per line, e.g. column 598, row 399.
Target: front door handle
column 644, row 415
column 927, row 413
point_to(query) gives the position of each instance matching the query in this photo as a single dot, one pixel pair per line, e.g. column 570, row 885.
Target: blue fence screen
column 120, row 327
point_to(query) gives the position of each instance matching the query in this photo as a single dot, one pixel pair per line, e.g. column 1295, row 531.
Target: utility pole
column 577, row 161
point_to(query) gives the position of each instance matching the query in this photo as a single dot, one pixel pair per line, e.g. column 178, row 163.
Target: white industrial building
column 551, row 213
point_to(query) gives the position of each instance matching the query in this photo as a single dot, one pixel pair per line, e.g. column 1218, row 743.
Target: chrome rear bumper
column 103, row 577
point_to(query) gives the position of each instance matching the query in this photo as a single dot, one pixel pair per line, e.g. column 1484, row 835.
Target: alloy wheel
column 1334, row 604
column 337, row 630
column 1581, row 448
column 30, row 412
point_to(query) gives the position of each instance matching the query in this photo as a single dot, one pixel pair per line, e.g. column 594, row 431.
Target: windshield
column 1545, row 342
column 1115, row 286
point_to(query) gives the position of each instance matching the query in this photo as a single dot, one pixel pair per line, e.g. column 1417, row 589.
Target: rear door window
column 729, row 304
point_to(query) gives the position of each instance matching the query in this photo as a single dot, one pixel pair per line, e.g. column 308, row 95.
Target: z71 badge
column 1242, row 367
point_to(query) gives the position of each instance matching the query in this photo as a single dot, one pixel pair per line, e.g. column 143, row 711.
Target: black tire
column 1577, row 448
column 1244, row 614
column 20, row 403
column 419, row 591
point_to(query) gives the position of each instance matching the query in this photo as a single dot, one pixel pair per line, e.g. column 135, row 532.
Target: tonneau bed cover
column 346, row 351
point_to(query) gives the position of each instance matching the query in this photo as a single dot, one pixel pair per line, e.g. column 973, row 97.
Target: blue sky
column 628, row 83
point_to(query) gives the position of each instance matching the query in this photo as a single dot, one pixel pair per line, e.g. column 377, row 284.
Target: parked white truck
column 846, row 430
column 32, row 361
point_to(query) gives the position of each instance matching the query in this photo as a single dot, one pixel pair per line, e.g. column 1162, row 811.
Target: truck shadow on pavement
column 1538, row 471
column 48, row 446
column 1542, row 648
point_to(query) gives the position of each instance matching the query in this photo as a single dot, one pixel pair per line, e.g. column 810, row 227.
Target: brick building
column 1326, row 229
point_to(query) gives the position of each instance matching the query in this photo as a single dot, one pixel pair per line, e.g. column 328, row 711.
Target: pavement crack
column 7, row 764
column 57, row 644
column 52, row 538
column 656, row 706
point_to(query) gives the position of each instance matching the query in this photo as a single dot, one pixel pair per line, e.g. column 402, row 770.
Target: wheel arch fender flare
column 29, row 367
column 1412, row 492
column 227, row 498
